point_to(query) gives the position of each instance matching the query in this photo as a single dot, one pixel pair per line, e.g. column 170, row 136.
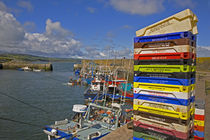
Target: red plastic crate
column 199, row 117
column 199, row 128
column 177, row 55
column 198, row 138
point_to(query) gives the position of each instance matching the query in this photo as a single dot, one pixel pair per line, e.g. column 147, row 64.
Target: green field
column 30, row 58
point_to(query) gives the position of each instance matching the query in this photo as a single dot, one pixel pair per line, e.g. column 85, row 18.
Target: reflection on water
column 28, row 93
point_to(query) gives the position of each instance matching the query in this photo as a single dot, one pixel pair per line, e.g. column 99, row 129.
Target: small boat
column 70, row 83
column 74, row 82
column 37, row 70
column 25, row 69
column 77, row 72
column 89, row 123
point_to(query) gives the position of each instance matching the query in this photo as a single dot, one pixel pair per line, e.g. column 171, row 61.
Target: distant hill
column 26, row 57
column 203, row 51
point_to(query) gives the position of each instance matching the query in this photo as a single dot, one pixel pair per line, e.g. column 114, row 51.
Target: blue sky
column 87, row 28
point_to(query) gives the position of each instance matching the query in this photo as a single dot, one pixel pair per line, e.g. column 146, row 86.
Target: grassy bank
column 203, row 64
column 31, row 58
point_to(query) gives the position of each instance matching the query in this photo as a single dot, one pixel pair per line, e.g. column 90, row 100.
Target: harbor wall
column 121, row 65
column 46, row 67
column 126, row 64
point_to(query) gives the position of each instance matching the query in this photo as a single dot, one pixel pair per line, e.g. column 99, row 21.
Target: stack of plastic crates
column 164, row 83
column 199, row 120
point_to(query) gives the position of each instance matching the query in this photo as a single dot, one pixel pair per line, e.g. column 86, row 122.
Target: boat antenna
column 121, row 98
column 105, row 80
column 128, row 72
column 113, row 94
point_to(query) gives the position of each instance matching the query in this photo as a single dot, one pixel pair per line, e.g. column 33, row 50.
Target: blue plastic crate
column 161, row 99
column 162, row 80
column 135, row 138
column 161, row 37
column 199, row 134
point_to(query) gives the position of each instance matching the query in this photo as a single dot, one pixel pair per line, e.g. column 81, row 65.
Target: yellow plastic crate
column 183, row 21
column 164, row 68
column 169, row 110
column 198, row 122
column 164, row 87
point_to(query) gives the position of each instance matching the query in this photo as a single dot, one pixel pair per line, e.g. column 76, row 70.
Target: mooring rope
column 35, row 107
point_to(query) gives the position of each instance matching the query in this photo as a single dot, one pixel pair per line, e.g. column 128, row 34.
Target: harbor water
column 31, row 100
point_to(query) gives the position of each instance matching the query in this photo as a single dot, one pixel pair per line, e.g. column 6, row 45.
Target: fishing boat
column 37, row 70
column 25, row 69
column 90, row 122
column 74, row 82
column 109, row 88
column 126, row 90
column 96, row 88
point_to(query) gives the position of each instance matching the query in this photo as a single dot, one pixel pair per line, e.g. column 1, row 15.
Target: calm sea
column 31, row 100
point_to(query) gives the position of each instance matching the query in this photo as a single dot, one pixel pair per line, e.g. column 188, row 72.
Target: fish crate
column 164, row 68
column 199, row 123
column 200, row 106
column 165, row 97
column 165, row 119
column 183, row 21
column 198, row 134
column 164, row 109
column 190, row 62
column 173, row 49
column 164, row 87
column 161, row 99
column 165, row 56
column 138, row 135
column 198, row 138
column 162, row 80
column 177, row 75
column 138, row 43
column 199, row 114
column 164, row 133
column 199, row 128
column 199, row 118
column 169, row 38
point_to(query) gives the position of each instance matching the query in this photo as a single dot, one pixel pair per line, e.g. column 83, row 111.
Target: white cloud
column 55, row 29
column 140, row 7
column 55, row 41
column 25, row 4
column 11, row 32
column 126, row 52
column 206, row 47
column 102, row 54
column 3, row 7
column 203, row 51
